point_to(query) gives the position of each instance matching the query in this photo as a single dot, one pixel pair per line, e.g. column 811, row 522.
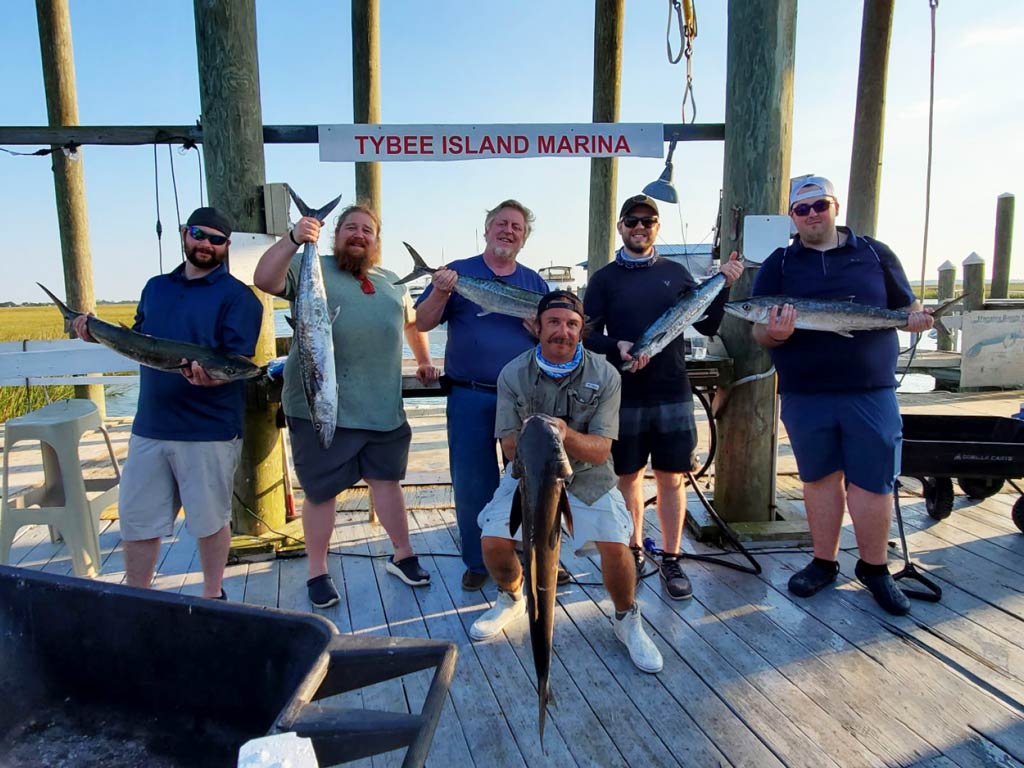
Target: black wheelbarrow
column 98, row 674
column 981, row 452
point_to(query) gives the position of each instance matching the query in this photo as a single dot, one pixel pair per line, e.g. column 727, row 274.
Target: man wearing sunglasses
column 839, row 393
column 656, row 418
column 187, row 434
column 372, row 437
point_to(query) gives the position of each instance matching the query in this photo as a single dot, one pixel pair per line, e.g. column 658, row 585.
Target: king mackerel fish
column 314, row 338
column 491, row 295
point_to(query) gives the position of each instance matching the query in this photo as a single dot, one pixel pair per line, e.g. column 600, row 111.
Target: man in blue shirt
column 839, row 393
column 477, row 349
column 187, row 434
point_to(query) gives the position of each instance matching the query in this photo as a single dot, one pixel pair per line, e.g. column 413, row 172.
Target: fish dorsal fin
column 290, row 321
column 334, row 314
column 515, row 519
column 563, row 507
column 483, row 312
column 846, row 334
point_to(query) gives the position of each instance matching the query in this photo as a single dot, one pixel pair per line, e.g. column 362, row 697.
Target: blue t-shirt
column 217, row 311
column 479, row 347
column 862, row 270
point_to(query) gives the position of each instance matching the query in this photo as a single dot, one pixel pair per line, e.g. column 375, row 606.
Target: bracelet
column 291, row 236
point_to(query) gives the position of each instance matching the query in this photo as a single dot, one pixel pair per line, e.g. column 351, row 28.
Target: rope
column 159, row 226
column 933, row 5
column 177, row 207
column 687, row 32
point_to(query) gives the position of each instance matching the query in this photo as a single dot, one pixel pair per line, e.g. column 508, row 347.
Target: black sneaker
column 473, row 581
column 409, row 571
column 813, row 577
column 884, row 588
column 640, row 560
column 322, row 593
column 677, row 584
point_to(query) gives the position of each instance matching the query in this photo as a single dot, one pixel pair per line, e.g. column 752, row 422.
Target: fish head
column 753, row 309
column 235, row 370
column 539, row 449
column 324, row 421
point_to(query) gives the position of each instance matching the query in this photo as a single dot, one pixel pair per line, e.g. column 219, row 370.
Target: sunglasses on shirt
column 198, row 234
column 818, row 206
column 632, row 221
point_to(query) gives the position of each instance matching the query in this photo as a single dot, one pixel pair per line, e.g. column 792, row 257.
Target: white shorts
column 606, row 520
column 161, row 476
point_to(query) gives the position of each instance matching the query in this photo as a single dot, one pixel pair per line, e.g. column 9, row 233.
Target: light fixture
column 661, row 188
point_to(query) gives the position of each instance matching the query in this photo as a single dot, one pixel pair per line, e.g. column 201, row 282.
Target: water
column 122, row 399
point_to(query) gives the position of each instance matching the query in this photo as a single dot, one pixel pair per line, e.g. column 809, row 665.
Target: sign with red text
column 407, row 143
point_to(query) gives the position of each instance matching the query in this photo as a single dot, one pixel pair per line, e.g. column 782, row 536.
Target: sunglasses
column 818, row 206
column 632, row 221
column 198, row 234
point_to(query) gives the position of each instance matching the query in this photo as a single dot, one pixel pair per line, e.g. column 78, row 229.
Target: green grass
column 37, row 323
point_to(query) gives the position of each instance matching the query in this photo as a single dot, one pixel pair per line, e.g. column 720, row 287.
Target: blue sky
column 530, row 62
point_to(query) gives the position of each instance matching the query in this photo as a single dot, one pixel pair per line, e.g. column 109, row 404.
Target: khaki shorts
column 607, row 519
column 161, row 476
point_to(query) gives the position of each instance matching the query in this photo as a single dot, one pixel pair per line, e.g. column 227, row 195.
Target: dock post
column 366, row 92
column 1001, row 253
column 947, row 289
column 974, row 282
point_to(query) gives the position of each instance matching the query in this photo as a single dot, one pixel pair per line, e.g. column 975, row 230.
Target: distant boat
column 559, row 278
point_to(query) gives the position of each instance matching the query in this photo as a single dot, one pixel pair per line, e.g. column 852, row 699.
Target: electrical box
column 276, row 201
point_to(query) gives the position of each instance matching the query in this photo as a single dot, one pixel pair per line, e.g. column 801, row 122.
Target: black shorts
column 354, row 454
column 664, row 432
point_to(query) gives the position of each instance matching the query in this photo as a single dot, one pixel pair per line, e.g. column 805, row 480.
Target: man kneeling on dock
column 582, row 391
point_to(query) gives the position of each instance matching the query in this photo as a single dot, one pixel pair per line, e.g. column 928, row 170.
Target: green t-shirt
column 587, row 400
column 368, row 336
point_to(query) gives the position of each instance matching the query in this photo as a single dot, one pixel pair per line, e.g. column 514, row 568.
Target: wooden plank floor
column 752, row 676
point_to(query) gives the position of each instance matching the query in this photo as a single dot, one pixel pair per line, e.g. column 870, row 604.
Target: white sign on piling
column 408, row 143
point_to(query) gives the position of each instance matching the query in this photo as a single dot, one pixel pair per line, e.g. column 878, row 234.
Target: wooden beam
column 229, row 91
column 758, row 120
column 1004, row 243
column 366, row 92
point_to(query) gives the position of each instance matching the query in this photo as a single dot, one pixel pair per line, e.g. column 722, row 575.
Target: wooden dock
column 752, row 676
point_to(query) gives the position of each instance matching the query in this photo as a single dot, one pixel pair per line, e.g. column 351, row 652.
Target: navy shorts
column 354, row 454
column 665, row 432
column 860, row 433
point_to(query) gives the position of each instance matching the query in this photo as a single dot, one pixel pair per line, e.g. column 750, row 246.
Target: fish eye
column 317, row 427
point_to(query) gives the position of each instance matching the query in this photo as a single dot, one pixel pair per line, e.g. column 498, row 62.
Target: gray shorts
column 354, row 454
column 161, row 476
column 607, row 519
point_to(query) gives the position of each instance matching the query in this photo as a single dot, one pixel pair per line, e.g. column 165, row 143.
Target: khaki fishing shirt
column 587, row 400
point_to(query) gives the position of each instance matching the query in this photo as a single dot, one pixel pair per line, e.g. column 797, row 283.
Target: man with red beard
column 187, row 434
column 372, row 438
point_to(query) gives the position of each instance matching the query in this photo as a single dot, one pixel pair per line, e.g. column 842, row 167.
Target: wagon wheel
column 938, row 497
column 980, row 487
column 1018, row 514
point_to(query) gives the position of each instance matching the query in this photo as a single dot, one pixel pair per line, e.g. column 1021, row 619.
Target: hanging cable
column 177, row 207
column 159, row 226
column 933, row 5
column 199, row 157
column 686, row 21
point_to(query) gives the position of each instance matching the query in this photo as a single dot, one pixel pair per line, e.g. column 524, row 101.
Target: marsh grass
column 39, row 323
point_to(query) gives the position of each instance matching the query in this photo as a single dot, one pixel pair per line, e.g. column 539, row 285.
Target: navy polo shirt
column 862, row 270
column 216, row 311
column 479, row 347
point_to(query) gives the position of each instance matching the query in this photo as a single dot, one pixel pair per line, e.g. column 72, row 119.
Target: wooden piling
column 366, row 91
column 946, row 291
column 54, row 21
column 232, row 121
column 974, row 283
column 1004, row 242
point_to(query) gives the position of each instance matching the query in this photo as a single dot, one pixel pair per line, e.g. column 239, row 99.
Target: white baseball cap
column 805, row 187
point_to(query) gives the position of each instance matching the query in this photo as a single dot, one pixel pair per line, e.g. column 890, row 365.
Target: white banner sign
column 406, row 143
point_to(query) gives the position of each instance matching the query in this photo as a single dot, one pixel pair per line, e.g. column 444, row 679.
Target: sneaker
column 506, row 609
column 322, row 593
column 813, row 577
column 677, row 584
column 642, row 650
column 409, row 571
column 885, row 589
column 563, row 577
column 640, row 560
column 472, row 581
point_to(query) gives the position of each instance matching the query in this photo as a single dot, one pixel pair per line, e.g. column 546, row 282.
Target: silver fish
column 491, row 295
column 834, row 316
column 314, row 338
column 688, row 309
column 161, row 354
column 539, row 504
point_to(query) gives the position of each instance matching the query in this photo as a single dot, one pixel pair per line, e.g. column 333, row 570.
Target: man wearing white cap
column 839, row 393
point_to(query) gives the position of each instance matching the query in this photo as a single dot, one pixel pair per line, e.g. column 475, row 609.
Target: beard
column 357, row 260
column 201, row 257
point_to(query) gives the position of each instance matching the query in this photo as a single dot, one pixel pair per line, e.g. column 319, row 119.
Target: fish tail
column 320, row 214
column 69, row 314
column 543, row 699
column 942, row 309
column 420, row 267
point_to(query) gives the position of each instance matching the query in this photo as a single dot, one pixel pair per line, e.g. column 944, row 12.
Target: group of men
column 841, row 416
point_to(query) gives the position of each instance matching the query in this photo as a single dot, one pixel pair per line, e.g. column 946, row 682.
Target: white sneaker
column 506, row 609
column 642, row 650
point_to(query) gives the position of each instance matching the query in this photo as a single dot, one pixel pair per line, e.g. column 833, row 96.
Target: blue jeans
column 474, row 465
